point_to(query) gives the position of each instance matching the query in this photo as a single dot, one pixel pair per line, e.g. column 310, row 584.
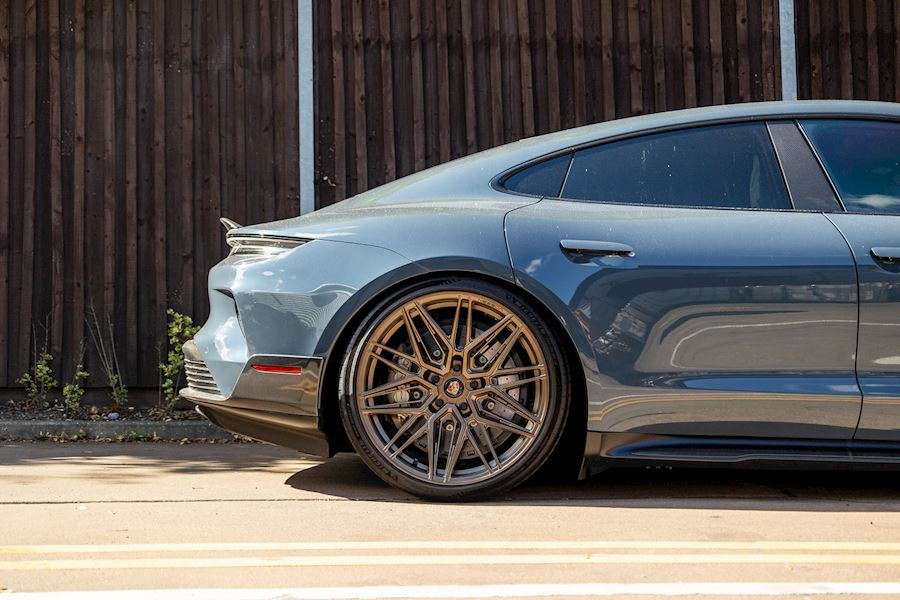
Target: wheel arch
column 565, row 460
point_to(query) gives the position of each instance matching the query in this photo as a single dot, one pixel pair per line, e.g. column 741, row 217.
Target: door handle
column 890, row 256
column 594, row 248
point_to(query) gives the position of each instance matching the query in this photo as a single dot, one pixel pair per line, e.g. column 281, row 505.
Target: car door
column 700, row 301
column 862, row 159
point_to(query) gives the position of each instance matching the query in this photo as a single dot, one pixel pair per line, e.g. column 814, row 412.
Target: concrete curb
column 164, row 430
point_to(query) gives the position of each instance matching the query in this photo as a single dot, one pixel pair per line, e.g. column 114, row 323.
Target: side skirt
column 604, row 450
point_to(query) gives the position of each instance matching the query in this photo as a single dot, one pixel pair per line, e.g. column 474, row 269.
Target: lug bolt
column 439, row 403
column 475, row 385
column 433, row 378
column 456, row 365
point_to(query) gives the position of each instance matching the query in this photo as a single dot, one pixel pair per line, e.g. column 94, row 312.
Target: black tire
column 541, row 443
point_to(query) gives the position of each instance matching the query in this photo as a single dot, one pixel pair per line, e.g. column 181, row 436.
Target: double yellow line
column 432, row 553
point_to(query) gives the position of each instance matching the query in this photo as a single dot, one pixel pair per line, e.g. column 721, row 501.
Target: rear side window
column 542, row 179
column 721, row 166
column 863, row 160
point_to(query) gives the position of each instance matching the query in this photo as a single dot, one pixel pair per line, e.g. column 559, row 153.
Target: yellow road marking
column 445, row 559
column 792, row 546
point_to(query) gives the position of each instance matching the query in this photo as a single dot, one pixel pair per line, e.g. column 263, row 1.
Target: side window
column 542, row 179
column 719, row 166
column 863, row 160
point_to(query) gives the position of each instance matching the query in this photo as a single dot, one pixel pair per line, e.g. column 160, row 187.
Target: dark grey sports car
column 717, row 285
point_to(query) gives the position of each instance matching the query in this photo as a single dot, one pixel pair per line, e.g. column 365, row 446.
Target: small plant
column 39, row 381
column 73, row 392
column 134, row 436
column 104, row 342
column 181, row 329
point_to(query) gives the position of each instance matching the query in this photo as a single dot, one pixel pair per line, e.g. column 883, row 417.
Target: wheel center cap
column 453, row 388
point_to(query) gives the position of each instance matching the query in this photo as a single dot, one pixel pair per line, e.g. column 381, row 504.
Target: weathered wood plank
column 715, row 49
column 528, row 124
column 635, row 67
column 385, row 46
column 5, row 140
column 29, row 197
column 873, row 65
column 56, row 208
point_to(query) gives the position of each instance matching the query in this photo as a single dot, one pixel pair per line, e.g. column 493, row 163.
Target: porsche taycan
column 717, row 285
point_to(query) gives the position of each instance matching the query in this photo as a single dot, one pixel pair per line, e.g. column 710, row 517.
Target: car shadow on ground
column 346, row 476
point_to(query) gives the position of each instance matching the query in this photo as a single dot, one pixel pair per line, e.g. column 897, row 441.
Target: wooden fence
column 848, row 49
column 454, row 76
column 127, row 127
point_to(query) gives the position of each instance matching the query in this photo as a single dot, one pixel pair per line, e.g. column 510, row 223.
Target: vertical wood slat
column 872, row 46
column 634, row 58
column 5, row 141
column 385, row 46
column 28, row 187
column 687, row 54
column 858, row 29
column 55, row 191
column 768, row 50
column 715, row 37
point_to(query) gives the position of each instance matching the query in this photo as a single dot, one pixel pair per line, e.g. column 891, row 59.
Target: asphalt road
column 242, row 520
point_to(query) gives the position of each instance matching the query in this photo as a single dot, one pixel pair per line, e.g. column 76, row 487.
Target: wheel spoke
column 468, row 325
column 393, row 364
column 394, row 408
column 412, row 438
column 485, row 436
column 517, row 370
column 474, row 441
column 454, row 329
column 457, row 441
column 390, row 386
column 511, row 385
column 496, row 421
column 415, row 340
column 437, row 334
column 489, row 334
column 434, row 445
column 504, row 351
column 511, row 403
column 407, row 425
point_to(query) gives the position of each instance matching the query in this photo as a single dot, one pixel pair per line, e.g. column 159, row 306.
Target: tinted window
column 722, row 166
column 542, row 179
column 863, row 160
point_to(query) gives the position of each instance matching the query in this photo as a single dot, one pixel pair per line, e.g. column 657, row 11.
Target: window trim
column 496, row 183
column 812, row 147
column 703, row 125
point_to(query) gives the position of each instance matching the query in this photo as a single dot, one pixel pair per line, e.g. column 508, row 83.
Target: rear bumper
column 280, row 408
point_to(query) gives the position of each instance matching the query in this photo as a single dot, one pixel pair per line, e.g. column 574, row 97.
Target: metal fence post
column 306, row 121
column 788, row 50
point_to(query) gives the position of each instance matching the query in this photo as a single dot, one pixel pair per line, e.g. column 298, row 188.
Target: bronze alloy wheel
column 452, row 388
